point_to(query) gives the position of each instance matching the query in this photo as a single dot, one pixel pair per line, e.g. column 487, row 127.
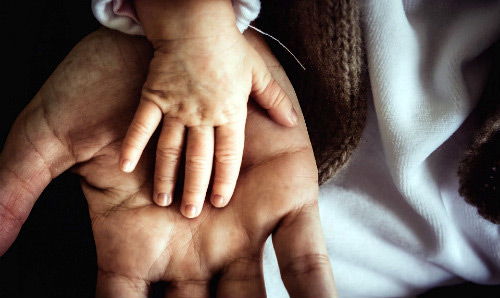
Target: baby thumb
column 270, row 96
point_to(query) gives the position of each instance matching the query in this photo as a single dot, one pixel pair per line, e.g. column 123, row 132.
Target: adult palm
column 79, row 118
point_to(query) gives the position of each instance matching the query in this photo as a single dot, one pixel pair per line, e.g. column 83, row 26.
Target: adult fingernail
column 164, row 199
column 218, row 200
column 190, row 211
column 293, row 117
column 126, row 166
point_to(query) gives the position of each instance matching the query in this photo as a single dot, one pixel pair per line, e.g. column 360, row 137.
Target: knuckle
column 194, row 192
column 265, row 81
column 243, row 269
column 165, row 178
column 8, row 216
column 139, row 130
column 273, row 92
column 198, row 163
column 277, row 94
column 262, row 83
column 188, row 285
column 232, row 112
column 227, row 157
column 132, row 145
column 309, row 264
column 224, row 181
column 151, row 94
column 168, row 154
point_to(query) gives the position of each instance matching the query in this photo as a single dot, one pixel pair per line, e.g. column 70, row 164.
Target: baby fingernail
column 218, row 200
column 293, row 116
column 164, row 199
column 190, row 211
column 126, row 165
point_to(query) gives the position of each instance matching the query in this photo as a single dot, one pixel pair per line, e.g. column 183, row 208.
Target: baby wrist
column 121, row 14
column 184, row 19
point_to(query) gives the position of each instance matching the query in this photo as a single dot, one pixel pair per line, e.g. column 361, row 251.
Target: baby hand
column 201, row 85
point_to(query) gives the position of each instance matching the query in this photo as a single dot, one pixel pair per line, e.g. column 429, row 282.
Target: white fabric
column 111, row 14
column 107, row 13
column 246, row 12
column 394, row 222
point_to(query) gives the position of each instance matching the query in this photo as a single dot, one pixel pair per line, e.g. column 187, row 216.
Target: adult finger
column 146, row 119
column 168, row 155
column 111, row 285
column 302, row 255
column 242, row 278
column 229, row 143
column 270, row 96
column 188, row 288
column 199, row 158
column 32, row 156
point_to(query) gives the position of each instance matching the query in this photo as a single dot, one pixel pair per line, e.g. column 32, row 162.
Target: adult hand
column 80, row 117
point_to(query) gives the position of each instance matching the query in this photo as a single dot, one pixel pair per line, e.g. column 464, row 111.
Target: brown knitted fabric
column 326, row 37
column 480, row 169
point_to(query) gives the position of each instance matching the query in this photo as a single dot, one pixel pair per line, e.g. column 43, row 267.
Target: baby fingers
column 229, row 142
column 199, row 158
column 146, row 119
column 168, row 155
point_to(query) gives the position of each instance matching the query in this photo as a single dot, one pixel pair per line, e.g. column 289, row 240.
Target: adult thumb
column 31, row 157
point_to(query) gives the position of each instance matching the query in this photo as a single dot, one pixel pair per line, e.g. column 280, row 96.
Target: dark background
column 54, row 255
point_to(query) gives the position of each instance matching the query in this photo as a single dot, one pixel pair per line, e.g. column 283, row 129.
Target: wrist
column 169, row 20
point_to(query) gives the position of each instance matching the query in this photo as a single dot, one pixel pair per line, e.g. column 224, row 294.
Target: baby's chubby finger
column 146, row 119
column 270, row 96
column 229, row 143
column 199, row 158
column 168, row 155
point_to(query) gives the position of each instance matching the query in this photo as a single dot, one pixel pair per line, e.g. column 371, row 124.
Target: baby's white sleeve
column 246, row 11
column 120, row 14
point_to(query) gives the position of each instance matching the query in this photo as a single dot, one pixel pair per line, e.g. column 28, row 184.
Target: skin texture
column 198, row 83
column 78, row 120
